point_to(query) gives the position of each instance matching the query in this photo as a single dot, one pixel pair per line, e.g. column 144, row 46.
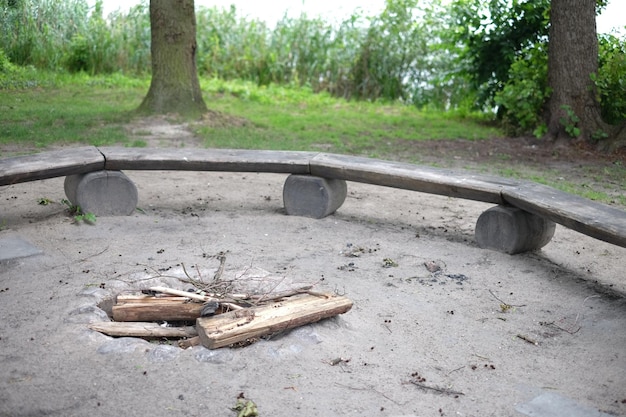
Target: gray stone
column 550, row 404
column 123, row 345
column 216, row 356
column 15, row 247
column 310, row 196
column 163, row 353
column 512, row 230
column 103, row 193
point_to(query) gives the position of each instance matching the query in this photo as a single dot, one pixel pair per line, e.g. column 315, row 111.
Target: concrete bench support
column 311, row 196
column 103, row 193
column 512, row 230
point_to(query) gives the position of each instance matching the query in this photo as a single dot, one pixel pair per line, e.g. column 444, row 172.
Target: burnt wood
column 187, row 159
column 50, row 164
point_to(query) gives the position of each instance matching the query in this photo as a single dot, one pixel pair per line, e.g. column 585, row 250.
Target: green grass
column 40, row 110
column 297, row 119
column 605, row 185
column 66, row 110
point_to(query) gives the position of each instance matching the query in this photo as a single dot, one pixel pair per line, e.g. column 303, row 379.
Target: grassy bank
column 94, row 110
column 42, row 110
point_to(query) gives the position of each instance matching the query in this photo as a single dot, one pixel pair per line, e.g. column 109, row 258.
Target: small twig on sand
column 528, row 339
column 436, row 389
column 504, row 303
column 366, row 389
column 220, row 269
column 556, row 326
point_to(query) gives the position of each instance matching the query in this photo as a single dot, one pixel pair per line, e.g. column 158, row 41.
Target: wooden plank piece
column 226, row 160
column 448, row 182
column 585, row 216
column 238, row 326
column 146, row 330
column 126, row 298
column 157, row 311
column 50, row 164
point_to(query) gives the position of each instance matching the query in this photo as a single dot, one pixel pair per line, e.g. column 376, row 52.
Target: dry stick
column 553, row 324
column 194, row 296
column 504, row 302
column 569, row 331
column 367, row 389
column 283, row 294
column 94, row 255
column 220, row 269
column 437, row 389
column 172, row 291
column 528, row 339
column 231, row 306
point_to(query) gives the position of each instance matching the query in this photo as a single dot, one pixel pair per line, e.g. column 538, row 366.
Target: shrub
column 611, row 78
column 522, row 99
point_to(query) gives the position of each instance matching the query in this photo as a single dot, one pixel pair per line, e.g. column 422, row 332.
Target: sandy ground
column 448, row 331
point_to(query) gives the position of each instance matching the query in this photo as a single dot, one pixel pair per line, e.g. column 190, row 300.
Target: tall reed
column 388, row 56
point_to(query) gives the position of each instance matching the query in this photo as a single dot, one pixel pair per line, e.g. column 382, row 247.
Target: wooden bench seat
column 591, row 218
column 452, row 183
column 188, row 159
column 577, row 213
column 58, row 163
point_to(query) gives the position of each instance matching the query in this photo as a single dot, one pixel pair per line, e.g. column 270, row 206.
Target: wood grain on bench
column 50, row 164
column 594, row 219
column 188, row 159
column 577, row 213
column 453, row 183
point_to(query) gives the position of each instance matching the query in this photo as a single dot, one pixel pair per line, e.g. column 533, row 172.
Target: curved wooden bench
column 523, row 220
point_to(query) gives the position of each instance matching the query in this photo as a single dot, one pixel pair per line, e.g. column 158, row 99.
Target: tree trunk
column 573, row 109
column 174, row 87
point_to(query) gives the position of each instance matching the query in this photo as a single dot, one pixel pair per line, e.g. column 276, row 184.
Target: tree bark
column 174, row 87
column 572, row 58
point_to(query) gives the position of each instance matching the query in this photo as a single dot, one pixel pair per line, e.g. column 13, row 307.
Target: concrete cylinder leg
column 103, row 193
column 512, row 230
column 310, row 196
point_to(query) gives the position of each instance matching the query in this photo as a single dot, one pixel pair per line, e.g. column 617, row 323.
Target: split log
column 147, row 330
column 164, row 310
column 137, row 297
column 241, row 325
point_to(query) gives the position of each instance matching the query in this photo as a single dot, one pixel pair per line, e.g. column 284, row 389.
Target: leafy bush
column 611, row 78
column 493, row 35
column 524, row 95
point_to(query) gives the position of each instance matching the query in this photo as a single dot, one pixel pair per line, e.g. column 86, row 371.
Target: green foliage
column 570, row 121
column 393, row 45
column 56, row 35
column 611, row 78
column 463, row 56
column 34, row 32
column 521, row 99
column 5, row 65
column 396, row 55
column 493, row 34
column 78, row 214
